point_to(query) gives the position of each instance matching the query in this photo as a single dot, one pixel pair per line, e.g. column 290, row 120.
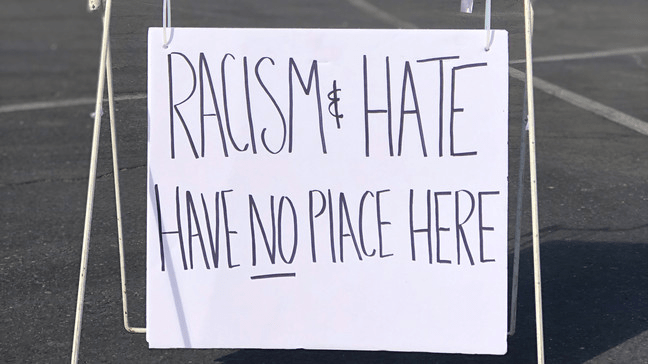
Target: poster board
column 327, row 189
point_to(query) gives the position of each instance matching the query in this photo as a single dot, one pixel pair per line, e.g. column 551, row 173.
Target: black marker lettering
column 454, row 110
column 246, row 79
column 368, row 111
column 228, row 232
column 311, row 219
column 483, row 228
column 331, row 233
column 408, row 79
column 203, row 69
column 275, row 275
column 360, row 230
column 380, row 225
column 461, row 235
column 440, row 59
column 193, row 216
column 292, row 68
column 280, row 223
column 274, row 102
column 344, row 215
column 162, row 233
column 439, row 228
column 226, row 108
column 427, row 229
column 213, row 237
column 174, row 107
column 254, row 212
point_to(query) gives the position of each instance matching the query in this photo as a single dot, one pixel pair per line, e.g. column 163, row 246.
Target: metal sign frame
column 105, row 82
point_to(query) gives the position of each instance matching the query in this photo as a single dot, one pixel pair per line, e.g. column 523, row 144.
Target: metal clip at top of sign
column 467, row 7
column 94, row 5
column 166, row 22
column 487, row 25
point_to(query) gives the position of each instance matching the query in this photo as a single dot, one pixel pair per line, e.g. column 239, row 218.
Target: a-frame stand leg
column 529, row 115
column 120, row 236
column 91, row 184
column 105, row 75
column 528, row 31
column 518, row 223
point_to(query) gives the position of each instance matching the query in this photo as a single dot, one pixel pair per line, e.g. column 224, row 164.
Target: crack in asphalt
column 68, row 179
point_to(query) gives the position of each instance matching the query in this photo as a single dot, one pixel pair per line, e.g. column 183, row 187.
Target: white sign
column 327, row 189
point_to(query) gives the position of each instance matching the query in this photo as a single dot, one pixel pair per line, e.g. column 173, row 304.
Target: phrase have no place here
column 207, row 236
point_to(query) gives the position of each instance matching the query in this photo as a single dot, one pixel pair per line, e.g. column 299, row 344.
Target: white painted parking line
column 586, row 55
column 584, row 103
column 380, row 14
column 40, row 105
column 540, row 84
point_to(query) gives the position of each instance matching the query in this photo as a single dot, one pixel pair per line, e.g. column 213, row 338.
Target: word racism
column 204, row 224
column 208, row 100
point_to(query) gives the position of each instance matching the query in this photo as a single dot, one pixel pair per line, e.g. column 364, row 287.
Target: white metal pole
column 487, row 24
column 91, row 186
column 518, row 221
column 528, row 26
column 120, row 235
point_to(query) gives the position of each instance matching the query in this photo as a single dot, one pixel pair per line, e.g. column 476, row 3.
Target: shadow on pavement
column 595, row 297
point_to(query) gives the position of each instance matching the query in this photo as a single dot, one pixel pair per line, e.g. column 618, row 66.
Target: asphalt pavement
column 591, row 64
